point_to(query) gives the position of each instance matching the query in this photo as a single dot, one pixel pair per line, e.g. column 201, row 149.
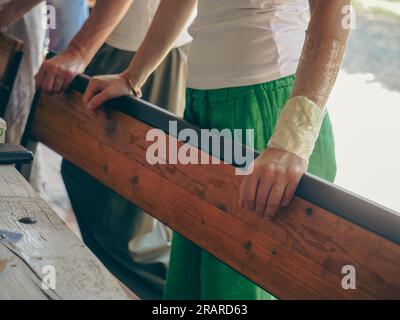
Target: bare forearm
column 12, row 11
column 323, row 51
column 169, row 22
column 103, row 19
column 300, row 121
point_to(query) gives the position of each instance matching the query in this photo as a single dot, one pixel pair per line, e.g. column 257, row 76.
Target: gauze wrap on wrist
column 298, row 127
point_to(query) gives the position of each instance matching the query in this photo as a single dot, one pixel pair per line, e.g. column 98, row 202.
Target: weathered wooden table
column 47, row 245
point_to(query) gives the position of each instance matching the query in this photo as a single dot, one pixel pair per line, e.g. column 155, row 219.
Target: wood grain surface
column 299, row 255
column 48, row 242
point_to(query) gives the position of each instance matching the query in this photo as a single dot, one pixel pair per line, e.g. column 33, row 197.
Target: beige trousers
column 114, row 229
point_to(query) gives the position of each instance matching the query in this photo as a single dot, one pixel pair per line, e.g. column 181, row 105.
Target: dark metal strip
column 14, row 154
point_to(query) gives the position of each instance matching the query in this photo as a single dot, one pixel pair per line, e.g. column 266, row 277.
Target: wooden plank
column 79, row 275
column 298, row 256
column 17, row 278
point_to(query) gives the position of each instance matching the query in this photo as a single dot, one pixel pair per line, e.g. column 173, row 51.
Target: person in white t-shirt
column 254, row 64
column 124, row 237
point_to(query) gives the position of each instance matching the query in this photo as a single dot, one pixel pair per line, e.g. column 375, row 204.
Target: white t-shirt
column 245, row 42
column 132, row 30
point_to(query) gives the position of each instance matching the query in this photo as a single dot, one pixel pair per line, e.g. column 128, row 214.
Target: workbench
column 47, row 244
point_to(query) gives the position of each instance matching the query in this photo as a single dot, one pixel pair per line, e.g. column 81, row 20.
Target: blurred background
column 364, row 107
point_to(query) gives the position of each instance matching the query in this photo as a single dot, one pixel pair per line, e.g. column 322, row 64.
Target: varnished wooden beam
column 300, row 255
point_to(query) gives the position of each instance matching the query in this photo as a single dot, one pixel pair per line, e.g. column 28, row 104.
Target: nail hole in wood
column 221, row 207
column 135, row 180
column 110, row 128
column 248, row 245
column 27, row 220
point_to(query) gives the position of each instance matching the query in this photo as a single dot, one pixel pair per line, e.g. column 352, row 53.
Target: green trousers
column 194, row 273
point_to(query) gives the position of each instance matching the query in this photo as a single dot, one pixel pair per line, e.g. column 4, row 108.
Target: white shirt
column 245, row 42
column 132, row 30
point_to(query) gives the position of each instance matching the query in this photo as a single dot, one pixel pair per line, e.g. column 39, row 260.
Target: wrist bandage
column 298, row 127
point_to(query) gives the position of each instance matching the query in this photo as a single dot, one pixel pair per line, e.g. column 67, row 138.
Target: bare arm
column 323, row 51
column 12, row 11
column 56, row 74
column 102, row 21
column 280, row 167
column 169, row 22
